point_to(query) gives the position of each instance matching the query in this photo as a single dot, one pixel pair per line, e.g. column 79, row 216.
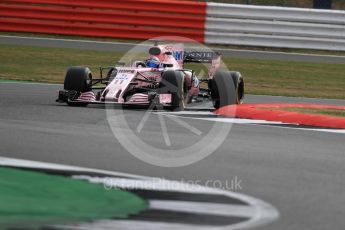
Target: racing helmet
column 152, row 62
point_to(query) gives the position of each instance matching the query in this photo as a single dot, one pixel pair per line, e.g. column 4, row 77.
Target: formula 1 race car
column 158, row 82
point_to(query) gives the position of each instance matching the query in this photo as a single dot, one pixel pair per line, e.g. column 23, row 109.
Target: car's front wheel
column 77, row 80
column 173, row 82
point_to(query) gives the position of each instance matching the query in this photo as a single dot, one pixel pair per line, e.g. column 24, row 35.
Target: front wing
column 65, row 96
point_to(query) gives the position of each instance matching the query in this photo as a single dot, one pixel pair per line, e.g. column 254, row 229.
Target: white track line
column 204, row 208
column 135, row 225
column 251, row 122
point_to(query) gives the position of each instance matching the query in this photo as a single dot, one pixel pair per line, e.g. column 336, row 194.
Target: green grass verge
column 41, row 64
column 265, row 77
column 31, row 199
column 282, row 78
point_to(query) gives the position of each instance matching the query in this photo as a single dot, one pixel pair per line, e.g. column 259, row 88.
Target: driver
column 153, row 62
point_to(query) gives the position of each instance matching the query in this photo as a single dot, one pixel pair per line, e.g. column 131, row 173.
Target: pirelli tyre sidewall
column 223, row 90
column 239, row 85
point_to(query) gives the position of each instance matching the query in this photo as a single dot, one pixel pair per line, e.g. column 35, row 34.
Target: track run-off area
column 297, row 170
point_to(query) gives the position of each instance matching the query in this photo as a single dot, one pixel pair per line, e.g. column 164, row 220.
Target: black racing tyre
column 77, row 80
column 239, row 85
column 223, row 91
column 173, row 82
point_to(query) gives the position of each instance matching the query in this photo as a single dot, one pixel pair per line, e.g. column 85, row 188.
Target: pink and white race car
column 161, row 81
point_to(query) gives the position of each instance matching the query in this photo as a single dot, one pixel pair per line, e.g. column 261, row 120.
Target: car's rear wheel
column 77, row 80
column 223, row 90
column 173, row 82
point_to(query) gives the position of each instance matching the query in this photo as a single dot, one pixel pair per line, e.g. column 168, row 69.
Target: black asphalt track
column 300, row 172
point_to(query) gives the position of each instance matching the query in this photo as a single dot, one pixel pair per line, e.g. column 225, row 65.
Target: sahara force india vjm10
column 161, row 81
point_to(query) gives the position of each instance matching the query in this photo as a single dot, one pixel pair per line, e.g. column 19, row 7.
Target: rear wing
column 201, row 56
column 214, row 58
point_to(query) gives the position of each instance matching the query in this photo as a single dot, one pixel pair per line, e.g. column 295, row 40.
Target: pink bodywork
column 127, row 79
column 115, row 91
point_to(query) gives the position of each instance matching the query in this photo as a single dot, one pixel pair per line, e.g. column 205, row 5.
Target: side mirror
column 155, row 51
